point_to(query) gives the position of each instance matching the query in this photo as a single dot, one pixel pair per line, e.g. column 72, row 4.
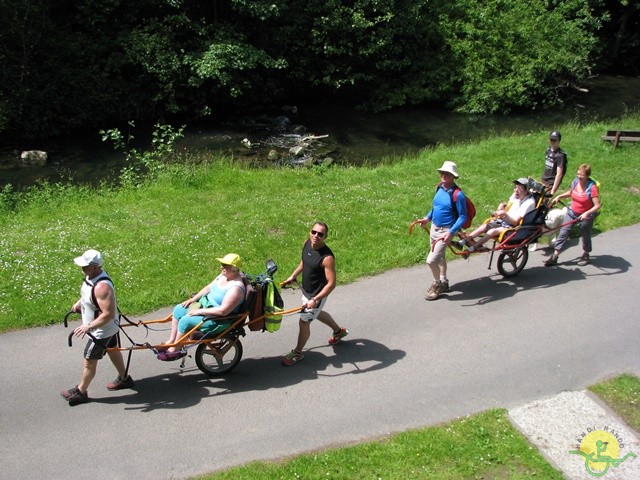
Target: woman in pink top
column 585, row 203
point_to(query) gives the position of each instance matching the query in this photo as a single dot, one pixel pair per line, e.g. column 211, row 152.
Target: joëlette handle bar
column 66, row 323
column 422, row 221
column 70, row 339
column 291, row 285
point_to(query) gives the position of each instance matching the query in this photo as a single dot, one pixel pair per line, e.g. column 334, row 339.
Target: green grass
column 160, row 239
column 622, row 394
column 481, row 446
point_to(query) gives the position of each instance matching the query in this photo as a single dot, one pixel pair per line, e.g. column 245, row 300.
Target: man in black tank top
column 318, row 268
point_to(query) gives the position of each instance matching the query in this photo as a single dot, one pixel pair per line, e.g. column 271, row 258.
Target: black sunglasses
column 319, row 234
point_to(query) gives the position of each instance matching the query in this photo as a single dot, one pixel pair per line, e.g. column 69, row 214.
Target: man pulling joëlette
column 446, row 219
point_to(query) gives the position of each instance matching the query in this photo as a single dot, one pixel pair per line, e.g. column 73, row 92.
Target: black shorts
column 95, row 350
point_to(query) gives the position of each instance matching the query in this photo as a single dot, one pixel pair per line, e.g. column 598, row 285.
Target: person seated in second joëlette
column 507, row 215
column 223, row 296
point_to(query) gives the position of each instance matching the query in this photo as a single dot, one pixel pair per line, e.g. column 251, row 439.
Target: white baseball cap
column 90, row 257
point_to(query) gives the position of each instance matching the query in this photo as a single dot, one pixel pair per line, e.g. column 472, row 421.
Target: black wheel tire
column 511, row 262
column 217, row 364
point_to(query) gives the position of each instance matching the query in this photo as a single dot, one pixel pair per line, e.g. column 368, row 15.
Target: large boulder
column 36, row 158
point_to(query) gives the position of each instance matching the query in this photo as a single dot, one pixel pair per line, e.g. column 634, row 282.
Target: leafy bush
column 84, row 64
column 144, row 166
column 518, row 53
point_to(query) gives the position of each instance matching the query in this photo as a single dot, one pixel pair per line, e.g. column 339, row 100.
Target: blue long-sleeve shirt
column 442, row 213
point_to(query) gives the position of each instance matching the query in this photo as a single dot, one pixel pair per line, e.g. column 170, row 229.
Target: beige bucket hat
column 449, row 167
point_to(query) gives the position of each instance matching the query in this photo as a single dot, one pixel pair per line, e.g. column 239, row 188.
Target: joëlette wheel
column 511, row 262
column 217, row 358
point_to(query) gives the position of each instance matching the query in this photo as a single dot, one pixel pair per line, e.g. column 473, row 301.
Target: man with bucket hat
column 555, row 163
column 447, row 216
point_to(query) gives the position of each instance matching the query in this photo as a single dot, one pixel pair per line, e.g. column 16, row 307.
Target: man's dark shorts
column 96, row 350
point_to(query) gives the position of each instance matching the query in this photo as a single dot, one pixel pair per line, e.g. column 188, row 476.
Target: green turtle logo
column 600, row 450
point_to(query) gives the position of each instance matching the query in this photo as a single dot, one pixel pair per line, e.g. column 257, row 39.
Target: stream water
column 353, row 137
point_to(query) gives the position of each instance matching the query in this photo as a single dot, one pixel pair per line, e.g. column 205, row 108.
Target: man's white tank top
column 90, row 310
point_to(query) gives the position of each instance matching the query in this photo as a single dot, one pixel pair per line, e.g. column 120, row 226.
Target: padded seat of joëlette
column 220, row 324
column 529, row 230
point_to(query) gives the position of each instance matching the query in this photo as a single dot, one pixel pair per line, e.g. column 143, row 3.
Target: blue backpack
column 590, row 184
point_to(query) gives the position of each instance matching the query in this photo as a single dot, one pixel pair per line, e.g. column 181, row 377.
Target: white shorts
column 310, row 314
column 438, row 248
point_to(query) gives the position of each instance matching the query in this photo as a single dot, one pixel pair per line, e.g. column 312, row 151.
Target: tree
column 92, row 64
column 518, row 53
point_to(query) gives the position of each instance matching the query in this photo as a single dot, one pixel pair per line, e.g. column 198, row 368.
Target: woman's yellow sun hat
column 230, row 259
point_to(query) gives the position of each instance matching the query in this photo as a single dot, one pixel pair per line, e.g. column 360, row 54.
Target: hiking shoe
column 291, row 358
column 445, row 286
column 74, row 396
column 336, row 337
column 551, row 261
column 584, row 260
column 435, row 290
column 431, row 291
column 120, row 383
column 67, row 394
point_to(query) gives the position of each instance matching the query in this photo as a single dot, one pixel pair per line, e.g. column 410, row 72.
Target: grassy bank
column 160, row 239
column 622, row 394
column 480, row 446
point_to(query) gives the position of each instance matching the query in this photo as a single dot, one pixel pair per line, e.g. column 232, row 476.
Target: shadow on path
column 352, row 357
column 187, row 387
column 494, row 287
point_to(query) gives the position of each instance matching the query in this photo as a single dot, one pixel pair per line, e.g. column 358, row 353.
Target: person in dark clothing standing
column 318, row 268
column 555, row 164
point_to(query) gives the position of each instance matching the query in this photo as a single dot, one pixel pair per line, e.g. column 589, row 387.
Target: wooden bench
column 617, row 136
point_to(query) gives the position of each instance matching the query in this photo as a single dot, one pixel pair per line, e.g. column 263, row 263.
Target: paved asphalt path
column 406, row 363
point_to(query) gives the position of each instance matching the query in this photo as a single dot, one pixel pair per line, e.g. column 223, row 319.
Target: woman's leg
column 586, row 226
column 564, row 232
column 178, row 312
column 491, row 233
column 187, row 323
column 562, row 239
